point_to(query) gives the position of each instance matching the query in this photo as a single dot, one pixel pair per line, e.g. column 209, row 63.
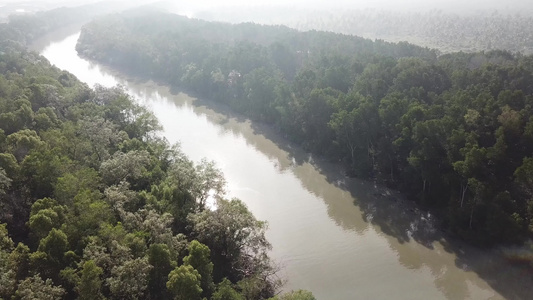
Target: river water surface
column 340, row 238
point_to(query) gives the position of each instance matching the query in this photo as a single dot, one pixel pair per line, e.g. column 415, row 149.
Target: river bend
column 340, row 238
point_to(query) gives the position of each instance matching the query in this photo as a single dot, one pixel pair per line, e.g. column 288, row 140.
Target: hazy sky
column 385, row 4
column 453, row 5
column 457, row 6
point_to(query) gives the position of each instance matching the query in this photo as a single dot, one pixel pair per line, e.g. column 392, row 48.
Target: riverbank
column 400, row 219
column 334, row 235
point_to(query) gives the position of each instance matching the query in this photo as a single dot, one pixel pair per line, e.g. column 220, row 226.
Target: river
column 338, row 237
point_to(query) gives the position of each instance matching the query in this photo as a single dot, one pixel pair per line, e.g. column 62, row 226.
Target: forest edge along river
column 339, row 237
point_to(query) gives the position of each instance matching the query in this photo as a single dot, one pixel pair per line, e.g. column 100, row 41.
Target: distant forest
column 25, row 28
column 95, row 204
column 454, row 132
column 471, row 31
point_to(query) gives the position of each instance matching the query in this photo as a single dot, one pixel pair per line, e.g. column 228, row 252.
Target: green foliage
column 20, row 143
column 296, row 295
column 5, row 182
column 90, row 284
column 19, row 260
column 45, row 214
column 524, row 174
column 36, row 288
column 225, row 291
column 107, row 207
column 160, row 259
column 6, row 244
column 42, row 169
column 49, row 258
column 7, row 276
column 70, row 185
column 232, row 233
column 54, row 245
column 450, row 131
column 184, row 283
column 72, row 172
column 7, row 280
column 86, row 216
column 124, row 166
column 102, row 135
column 10, row 166
column 199, row 259
column 130, row 280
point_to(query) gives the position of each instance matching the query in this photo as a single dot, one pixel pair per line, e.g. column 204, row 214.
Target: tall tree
column 90, row 284
column 199, row 259
column 184, row 283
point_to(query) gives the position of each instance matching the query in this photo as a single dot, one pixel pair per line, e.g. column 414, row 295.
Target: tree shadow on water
column 360, row 206
column 401, row 219
column 411, row 232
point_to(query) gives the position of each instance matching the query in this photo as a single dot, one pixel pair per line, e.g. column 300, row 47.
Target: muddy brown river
column 338, row 237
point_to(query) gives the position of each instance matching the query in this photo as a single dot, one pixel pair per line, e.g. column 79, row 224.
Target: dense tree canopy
column 449, row 29
column 94, row 204
column 453, row 131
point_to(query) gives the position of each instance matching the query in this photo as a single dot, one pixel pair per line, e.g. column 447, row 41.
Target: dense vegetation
column 454, row 132
column 471, row 31
column 94, row 204
column 24, row 29
column 444, row 31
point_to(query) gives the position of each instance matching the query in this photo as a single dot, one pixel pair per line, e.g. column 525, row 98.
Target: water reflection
column 411, row 234
column 339, row 237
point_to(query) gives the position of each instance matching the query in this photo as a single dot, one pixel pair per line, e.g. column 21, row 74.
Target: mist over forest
column 445, row 25
column 448, row 26
column 455, row 6
column 451, row 6
column 427, row 106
